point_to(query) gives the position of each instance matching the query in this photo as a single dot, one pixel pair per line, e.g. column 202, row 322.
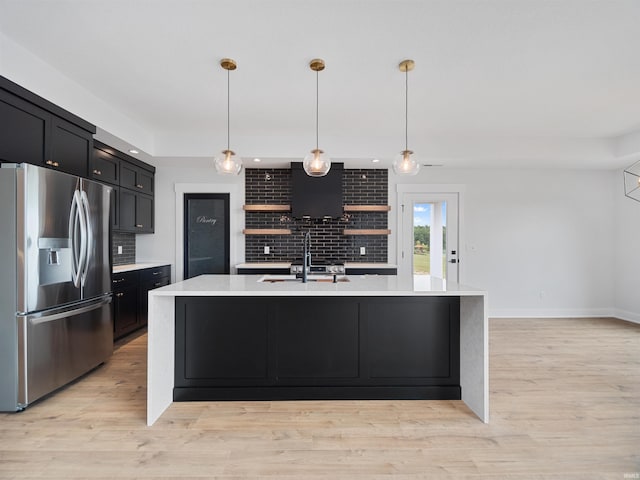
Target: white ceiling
column 497, row 82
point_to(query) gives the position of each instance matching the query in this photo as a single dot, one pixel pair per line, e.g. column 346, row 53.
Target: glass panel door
column 206, row 234
column 430, row 239
column 430, row 236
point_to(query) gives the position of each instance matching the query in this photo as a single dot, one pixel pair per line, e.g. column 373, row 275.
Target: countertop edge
column 137, row 266
column 361, row 285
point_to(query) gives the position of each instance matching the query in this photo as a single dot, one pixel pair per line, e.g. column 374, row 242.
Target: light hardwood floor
column 565, row 404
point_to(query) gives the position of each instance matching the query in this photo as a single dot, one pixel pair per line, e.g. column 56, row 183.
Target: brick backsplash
column 360, row 187
column 128, row 243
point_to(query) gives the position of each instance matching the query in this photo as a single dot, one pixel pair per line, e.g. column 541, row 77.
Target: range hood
column 316, row 197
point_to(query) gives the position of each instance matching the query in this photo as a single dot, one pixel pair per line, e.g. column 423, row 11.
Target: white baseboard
column 565, row 313
column 625, row 315
column 562, row 313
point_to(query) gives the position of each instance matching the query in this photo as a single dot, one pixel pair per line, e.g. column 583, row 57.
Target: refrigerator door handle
column 73, row 237
column 57, row 314
column 87, row 236
column 79, row 251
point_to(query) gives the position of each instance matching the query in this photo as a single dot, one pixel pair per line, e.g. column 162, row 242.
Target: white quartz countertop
column 135, row 266
column 357, row 285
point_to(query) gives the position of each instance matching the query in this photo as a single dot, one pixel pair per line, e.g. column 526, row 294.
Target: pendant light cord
column 406, row 109
column 228, row 110
column 317, row 108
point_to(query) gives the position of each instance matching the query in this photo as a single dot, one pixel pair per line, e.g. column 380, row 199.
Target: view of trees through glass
column 424, row 219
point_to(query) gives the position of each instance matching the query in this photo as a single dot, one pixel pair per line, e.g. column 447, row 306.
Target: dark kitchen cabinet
column 126, row 297
column 71, row 147
column 38, row 132
column 132, row 201
column 136, row 178
column 115, row 208
column 23, row 131
column 135, row 212
column 104, row 167
column 317, row 344
column 130, row 297
column 277, row 348
column 151, row 278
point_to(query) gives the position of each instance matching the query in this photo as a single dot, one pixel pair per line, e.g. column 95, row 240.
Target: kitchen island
column 234, row 337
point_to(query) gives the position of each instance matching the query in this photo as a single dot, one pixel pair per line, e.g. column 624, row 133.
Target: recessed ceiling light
column 257, row 160
column 133, row 150
column 375, row 160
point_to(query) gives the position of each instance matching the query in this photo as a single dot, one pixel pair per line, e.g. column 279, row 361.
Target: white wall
column 541, row 242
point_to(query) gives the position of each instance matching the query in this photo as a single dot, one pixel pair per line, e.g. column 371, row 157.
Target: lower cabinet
column 151, row 278
column 256, row 348
column 126, row 298
column 130, row 297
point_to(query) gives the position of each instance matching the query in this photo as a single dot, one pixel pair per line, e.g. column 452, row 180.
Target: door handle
column 48, row 316
column 453, row 260
column 75, row 223
column 88, row 238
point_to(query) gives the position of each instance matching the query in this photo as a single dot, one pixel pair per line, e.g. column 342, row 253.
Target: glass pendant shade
column 316, row 163
column 403, row 164
column 632, row 181
column 228, row 163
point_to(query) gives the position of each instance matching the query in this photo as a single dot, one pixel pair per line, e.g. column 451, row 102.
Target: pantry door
column 206, row 234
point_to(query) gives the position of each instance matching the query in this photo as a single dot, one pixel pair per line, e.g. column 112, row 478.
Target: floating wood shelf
column 362, row 231
column 267, row 208
column 367, row 208
column 266, row 231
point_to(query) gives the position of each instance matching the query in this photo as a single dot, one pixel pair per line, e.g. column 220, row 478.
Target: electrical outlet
column 119, row 249
column 363, row 251
column 266, row 249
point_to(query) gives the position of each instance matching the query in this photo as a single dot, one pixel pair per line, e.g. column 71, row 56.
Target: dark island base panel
column 316, row 393
column 285, row 348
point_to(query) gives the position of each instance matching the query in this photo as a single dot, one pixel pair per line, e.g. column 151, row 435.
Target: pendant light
column 316, row 163
column 403, row 164
column 229, row 163
column 632, row 181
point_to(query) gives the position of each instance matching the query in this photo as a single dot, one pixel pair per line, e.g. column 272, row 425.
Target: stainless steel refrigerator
column 55, row 281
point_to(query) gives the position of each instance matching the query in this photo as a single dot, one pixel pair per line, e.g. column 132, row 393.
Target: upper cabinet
column 104, row 166
column 136, row 178
column 71, row 148
column 132, row 202
column 38, row 132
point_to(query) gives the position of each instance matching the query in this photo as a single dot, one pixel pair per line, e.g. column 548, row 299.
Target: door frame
column 404, row 195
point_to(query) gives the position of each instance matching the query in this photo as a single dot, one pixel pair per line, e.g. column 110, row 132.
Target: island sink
column 310, row 278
